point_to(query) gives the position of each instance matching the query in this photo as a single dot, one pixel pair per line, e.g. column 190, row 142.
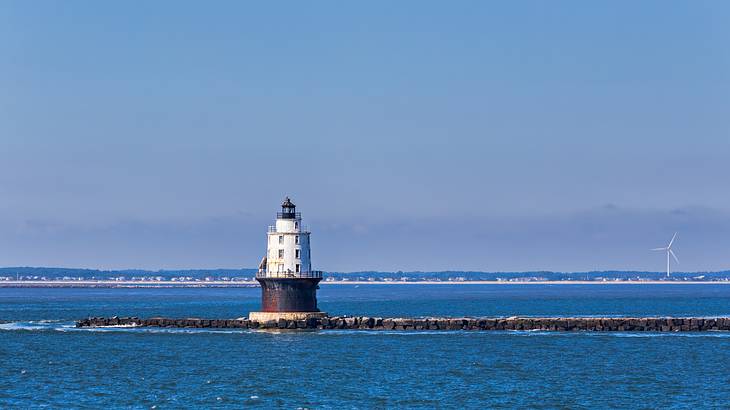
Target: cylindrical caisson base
column 289, row 295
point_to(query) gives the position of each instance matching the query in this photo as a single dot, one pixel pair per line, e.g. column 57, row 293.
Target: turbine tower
column 669, row 251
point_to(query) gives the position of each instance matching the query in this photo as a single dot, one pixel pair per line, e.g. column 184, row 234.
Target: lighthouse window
column 281, row 253
column 296, row 239
column 298, row 268
column 297, row 254
column 281, row 239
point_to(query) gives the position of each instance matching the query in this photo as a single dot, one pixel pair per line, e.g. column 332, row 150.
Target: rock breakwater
column 563, row 324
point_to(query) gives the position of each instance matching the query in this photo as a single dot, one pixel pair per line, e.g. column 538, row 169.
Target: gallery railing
column 314, row 274
column 289, row 215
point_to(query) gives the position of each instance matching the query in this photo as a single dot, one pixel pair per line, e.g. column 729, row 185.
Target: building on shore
column 288, row 283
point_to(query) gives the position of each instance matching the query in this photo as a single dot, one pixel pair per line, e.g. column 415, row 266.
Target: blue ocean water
column 45, row 362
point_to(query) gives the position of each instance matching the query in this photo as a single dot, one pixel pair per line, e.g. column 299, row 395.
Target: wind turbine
column 669, row 251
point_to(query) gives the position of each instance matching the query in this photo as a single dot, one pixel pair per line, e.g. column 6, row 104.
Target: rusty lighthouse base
column 288, row 298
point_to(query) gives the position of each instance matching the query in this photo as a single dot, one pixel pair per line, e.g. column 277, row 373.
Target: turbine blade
column 673, row 255
column 672, row 241
column 659, row 249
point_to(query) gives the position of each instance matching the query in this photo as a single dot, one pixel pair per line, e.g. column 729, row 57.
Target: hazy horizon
column 411, row 136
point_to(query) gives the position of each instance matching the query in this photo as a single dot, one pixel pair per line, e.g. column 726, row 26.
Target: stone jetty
column 558, row 324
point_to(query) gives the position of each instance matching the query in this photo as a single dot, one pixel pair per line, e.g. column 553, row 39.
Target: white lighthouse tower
column 287, row 252
column 288, row 283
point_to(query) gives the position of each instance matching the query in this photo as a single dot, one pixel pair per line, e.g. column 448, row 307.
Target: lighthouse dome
column 288, row 210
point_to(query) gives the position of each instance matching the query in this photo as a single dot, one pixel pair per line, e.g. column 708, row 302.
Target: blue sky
column 417, row 135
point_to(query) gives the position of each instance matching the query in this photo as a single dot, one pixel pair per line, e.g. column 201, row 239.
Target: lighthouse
column 288, row 283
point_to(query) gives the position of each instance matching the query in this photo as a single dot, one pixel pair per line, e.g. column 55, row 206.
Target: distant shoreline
column 535, row 282
column 247, row 284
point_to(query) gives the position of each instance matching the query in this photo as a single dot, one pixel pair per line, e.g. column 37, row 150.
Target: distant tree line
column 217, row 274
